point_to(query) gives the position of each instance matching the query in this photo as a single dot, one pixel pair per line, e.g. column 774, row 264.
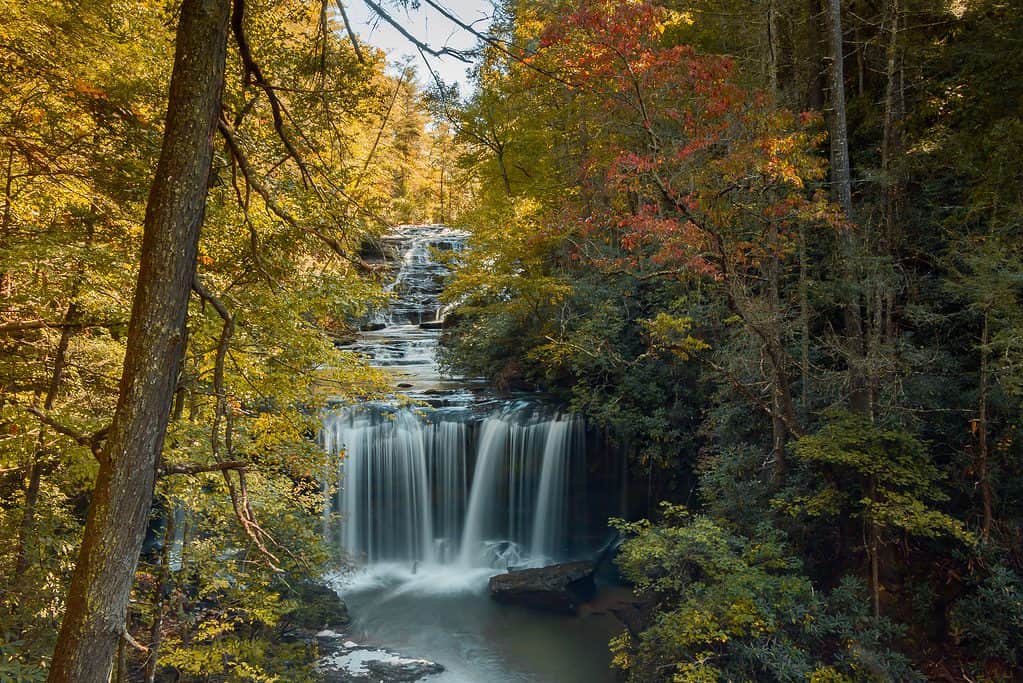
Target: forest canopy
column 770, row 249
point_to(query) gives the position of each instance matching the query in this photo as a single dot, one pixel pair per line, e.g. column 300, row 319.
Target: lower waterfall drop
column 404, row 491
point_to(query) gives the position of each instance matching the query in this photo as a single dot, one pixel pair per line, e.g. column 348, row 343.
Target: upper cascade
column 457, row 481
column 405, row 336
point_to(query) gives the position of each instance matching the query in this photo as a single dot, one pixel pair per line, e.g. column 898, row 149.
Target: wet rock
column 558, row 588
column 432, row 325
column 345, row 661
column 372, row 327
column 404, row 385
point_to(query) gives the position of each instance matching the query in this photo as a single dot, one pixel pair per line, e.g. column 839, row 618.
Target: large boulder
column 557, row 588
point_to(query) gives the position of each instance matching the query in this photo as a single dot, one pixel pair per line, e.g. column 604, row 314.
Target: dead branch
column 351, row 32
column 201, row 468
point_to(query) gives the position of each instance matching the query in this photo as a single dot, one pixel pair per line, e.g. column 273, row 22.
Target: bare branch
column 90, row 441
column 7, row 329
column 444, row 51
column 131, row 641
column 351, row 32
column 790, row 425
column 201, row 468
column 250, row 178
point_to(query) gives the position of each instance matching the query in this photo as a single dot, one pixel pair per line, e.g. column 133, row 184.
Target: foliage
column 657, row 248
column 731, row 608
column 291, row 204
column 989, row 621
column 886, row 479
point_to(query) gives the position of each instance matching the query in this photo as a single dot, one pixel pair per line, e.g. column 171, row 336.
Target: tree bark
column 6, row 281
column 841, row 192
column 892, row 139
column 982, row 427
column 159, row 601
column 116, row 523
column 841, row 177
column 804, row 328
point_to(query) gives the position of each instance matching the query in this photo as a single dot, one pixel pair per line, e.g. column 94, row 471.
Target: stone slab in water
column 557, row 588
column 349, row 662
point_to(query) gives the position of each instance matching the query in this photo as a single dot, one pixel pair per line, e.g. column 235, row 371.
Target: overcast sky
column 427, row 25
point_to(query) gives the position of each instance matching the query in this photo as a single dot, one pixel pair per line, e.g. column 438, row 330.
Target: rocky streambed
column 345, row 661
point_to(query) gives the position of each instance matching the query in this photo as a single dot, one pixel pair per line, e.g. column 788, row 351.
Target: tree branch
column 450, row 52
column 791, row 426
column 254, row 74
column 90, row 441
column 351, row 33
column 201, row 468
column 250, row 178
column 7, row 329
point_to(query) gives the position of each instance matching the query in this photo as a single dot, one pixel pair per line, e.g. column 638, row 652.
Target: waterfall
column 404, row 490
column 549, row 520
column 478, row 522
column 384, row 485
column 457, row 480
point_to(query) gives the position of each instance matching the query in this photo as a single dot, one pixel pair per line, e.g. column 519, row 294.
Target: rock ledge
column 557, row 588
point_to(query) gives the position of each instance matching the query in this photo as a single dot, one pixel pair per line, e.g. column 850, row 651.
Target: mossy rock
column 319, row 608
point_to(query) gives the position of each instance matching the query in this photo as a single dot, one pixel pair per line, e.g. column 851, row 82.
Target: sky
column 427, row 25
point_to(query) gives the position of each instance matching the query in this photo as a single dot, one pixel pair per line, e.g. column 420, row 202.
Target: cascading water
column 461, row 484
column 405, row 492
column 432, row 499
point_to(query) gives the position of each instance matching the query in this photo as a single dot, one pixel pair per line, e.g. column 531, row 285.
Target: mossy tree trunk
column 95, row 617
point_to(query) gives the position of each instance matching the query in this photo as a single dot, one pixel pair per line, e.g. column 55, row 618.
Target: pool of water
column 445, row 615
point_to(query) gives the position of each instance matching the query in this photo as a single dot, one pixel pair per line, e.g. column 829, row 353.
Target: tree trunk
column 892, row 139
column 874, row 549
column 841, row 177
column 6, row 281
column 804, row 328
column 159, row 601
column 779, row 383
column 841, row 192
column 35, row 467
column 982, row 445
column 771, row 58
column 116, row 523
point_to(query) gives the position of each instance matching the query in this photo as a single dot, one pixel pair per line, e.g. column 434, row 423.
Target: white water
column 459, row 482
column 405, row 494
column 432, row 501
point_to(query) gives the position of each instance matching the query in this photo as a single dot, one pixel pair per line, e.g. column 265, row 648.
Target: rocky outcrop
column 345, row 661
column 319, row 607
column 558, row 588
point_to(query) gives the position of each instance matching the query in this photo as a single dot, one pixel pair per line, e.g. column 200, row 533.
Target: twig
column 250, row 178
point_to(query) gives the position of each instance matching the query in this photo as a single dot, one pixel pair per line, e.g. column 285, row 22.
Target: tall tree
column 95, row 616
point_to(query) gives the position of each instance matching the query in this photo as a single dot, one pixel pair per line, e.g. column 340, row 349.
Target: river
column 436, row 497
